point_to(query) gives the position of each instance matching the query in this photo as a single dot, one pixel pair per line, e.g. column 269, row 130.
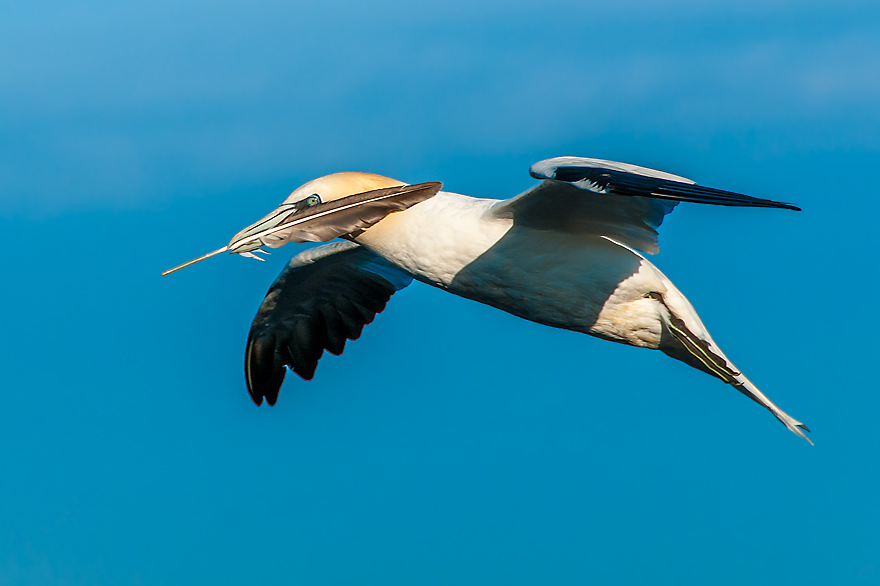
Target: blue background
column 452, row 443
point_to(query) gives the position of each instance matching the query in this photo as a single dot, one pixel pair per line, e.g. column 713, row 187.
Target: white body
column 576, row 281
column 584, row 283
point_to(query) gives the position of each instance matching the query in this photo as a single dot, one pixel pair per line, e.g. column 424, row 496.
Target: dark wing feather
column 322, row 298
column 624, row 179
column 621, row 201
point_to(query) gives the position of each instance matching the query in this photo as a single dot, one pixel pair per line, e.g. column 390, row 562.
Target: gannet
column 568, row 253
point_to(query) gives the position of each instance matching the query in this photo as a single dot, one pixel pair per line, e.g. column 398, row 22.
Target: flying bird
column 568, row 253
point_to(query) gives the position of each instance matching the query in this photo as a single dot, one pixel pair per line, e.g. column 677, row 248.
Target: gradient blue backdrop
column 452, row 443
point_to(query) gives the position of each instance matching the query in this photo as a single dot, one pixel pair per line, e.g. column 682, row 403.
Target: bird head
column 337, row 205
column 338, row 185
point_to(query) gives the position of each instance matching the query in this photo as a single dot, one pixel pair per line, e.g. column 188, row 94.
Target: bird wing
column 618, row 200
column 324, row 296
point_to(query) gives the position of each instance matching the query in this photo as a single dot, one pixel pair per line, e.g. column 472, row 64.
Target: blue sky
column 452, row 443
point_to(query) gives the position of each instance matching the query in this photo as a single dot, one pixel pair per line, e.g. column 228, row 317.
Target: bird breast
column 436, row 239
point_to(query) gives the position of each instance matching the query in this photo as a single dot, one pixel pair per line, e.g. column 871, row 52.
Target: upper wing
column 324, row 296
column 622, row 201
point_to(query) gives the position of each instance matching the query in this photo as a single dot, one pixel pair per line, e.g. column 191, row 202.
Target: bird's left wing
column 618, row 200
column 324, row 296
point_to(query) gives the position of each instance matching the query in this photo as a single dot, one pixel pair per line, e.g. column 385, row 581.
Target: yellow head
column 339, row 185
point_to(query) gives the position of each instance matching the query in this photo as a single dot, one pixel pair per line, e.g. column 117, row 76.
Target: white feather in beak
column 312, row 220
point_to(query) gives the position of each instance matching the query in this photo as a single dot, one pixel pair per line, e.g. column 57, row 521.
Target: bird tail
column 747, row 388
column 685, row 338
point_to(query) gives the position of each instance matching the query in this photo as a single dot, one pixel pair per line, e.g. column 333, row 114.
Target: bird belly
column 581, row 283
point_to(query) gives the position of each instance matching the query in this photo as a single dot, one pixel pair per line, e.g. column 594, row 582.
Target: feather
column 295, row 222
column 330, row 220
column 602, row 177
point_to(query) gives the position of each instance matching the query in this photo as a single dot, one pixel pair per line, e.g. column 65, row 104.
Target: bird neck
column 435, row 239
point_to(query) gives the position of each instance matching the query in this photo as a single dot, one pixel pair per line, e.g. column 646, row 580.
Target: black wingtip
column 623, row 182
column 769, row 203
column 781, row 205
column 262, row 376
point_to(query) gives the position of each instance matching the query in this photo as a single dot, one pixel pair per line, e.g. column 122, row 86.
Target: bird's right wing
column 324, row 296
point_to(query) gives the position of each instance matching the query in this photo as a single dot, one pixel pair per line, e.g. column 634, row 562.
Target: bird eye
column 313, row 200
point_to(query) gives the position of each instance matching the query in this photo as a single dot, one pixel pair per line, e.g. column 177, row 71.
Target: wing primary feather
column 264, row 377
column 701, row 194
column 351, row 318
column 633, row 184
column 334, row 332
column 302, row 350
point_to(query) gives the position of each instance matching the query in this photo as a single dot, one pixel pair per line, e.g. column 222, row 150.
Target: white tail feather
column 790, row 422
